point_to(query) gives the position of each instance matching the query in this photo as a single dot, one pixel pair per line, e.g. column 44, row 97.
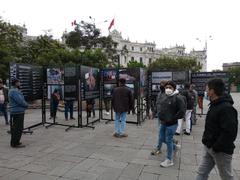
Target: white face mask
column 168, row 91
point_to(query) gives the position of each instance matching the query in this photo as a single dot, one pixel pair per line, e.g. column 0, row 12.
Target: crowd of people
column 172, row 107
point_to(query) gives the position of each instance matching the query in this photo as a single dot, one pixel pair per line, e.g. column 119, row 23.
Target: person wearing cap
column 170, row 108
column 122, row 102
column 17, row 107
column 4, row 101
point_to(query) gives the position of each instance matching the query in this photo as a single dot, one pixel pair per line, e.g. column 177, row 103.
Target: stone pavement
column 86, row 154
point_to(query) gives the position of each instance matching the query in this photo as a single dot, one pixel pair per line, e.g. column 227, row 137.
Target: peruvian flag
column 111, row 24
column 74, row 23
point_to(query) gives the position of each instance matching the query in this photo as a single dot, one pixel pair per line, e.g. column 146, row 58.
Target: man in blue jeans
column 221, row 127
column 122, row 101
column 170, row 108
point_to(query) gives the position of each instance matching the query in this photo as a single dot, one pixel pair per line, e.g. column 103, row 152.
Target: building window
column 150, row 60
column 140, row 48
column 132, row 48
column 132, row 58
column 141, row 60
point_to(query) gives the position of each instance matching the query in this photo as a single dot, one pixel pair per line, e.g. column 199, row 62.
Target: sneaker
column 116, row 135
column 123, row 135
column 177, row 134
column 107, row 113
column 187, row 133
column 66, row 119
column 167, row 163
column 177, row 147
column 156, row 152
column 18, row 146
column 7, row 123
column 72, row 118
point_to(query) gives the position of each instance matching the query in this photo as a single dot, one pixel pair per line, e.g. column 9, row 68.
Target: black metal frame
column 139, row 106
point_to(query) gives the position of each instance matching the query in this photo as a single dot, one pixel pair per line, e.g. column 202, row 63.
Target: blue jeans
column 165, row 135
column 68, row 108
column 209, row 159
column 120, row 122
column 3, row 109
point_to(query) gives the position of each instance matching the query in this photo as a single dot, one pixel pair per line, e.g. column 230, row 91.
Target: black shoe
column 7, row 123
column 177, row 134
column 66, row 119
column 72, row 118
column 186, row 133
column 18, row 146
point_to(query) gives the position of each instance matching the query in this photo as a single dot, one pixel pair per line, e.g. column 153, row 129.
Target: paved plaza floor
column 87, row 154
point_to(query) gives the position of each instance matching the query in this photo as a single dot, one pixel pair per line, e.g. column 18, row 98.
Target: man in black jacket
column 122, row 101
column 220, row 132
column 4, row 101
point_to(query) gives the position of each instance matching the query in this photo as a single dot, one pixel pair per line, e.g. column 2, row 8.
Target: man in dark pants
column 68, row 105
column 221, row 127
column 17, row 106
column 3, row 101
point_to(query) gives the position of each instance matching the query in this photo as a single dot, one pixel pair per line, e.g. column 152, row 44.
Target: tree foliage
column 87, row 36
column 135, row 64
column 166, row 63
column 234, row 75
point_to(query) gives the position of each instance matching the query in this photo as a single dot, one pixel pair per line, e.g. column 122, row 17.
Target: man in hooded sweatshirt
column 221, row 127
column 170, row 108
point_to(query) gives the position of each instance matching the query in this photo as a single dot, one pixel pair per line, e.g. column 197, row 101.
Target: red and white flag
column 111, row 24
column 74, row 23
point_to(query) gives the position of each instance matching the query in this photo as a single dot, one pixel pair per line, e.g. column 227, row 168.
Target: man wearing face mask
column 221, row 126
column 17, row 106
column 170, row 108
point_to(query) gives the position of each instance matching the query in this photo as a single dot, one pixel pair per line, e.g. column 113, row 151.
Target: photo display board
column 132, row 76
column 70, row 83
column 200, row 80
column 180, row 77
column 156, row 78
column 109, row 77
column 55, row 76
column 90, row 84
column 143, row 82
column 31, row 78
column 37, row 82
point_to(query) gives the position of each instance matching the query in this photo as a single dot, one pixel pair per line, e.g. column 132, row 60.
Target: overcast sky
column 167, row 22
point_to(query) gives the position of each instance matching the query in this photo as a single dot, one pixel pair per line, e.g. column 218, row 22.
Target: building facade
column 227, row 66
column 148, row 53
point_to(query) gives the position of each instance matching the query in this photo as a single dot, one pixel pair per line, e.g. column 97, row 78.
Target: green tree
column 135, row 64
column 234, row 75
column 87, row 36
column 166, row 63
column 10, row 46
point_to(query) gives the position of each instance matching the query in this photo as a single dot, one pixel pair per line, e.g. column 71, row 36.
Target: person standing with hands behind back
column 122, row 102
column 221, row 127
column 17, row 106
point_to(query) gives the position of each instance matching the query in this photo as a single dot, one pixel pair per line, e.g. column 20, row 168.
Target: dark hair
column 1, row 81
column 122, row 81
column 14, row 81
column 55, row 91
column 171, row 83
column 186, row 85
column 217, row 85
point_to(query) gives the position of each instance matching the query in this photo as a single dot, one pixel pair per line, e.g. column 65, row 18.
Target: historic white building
column 147, row 52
